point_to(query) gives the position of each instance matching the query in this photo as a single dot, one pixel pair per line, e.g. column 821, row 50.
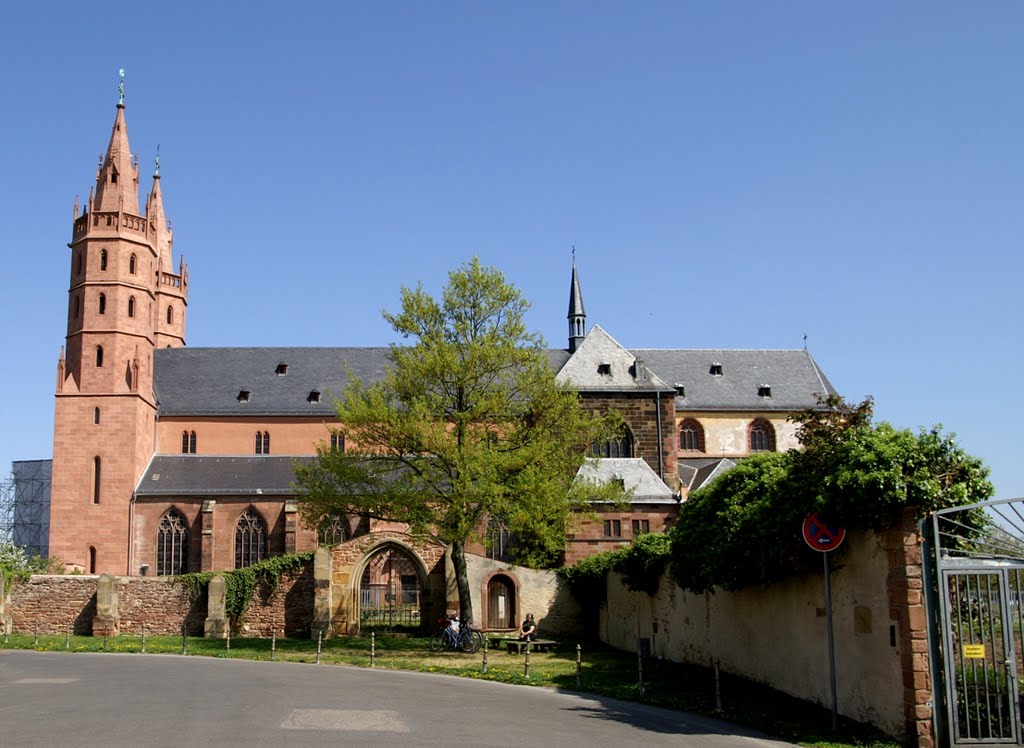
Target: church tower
column 124, row 300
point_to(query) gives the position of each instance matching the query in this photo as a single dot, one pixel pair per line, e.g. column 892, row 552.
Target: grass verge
column 603, row 671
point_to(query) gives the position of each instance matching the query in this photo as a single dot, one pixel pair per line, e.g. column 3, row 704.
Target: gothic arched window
column 131, row 306
column 170, row 314
column 262, row 442
column 691, row 436
column 96, row 466
column 131, row 264
column 188, row 442
column 761, row 436
column 99, row 357
column 103, row 303
column 620, row 447
column 103, row 259
column 172, row 544
column 333, row 529
column 250, row 539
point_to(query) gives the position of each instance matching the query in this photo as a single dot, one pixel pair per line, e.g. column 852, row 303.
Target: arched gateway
column 391, row 590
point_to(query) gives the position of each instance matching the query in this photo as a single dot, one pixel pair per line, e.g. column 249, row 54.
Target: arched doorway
column 501, row 603
column 390, row 592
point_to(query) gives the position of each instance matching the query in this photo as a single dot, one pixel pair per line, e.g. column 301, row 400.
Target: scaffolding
column 25, row 506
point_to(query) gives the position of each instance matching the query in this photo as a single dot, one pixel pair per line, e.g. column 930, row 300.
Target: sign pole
column 831, row 644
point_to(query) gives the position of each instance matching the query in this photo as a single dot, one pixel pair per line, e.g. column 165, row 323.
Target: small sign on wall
column 973, row 651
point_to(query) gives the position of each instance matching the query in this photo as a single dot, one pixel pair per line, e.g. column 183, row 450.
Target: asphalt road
column 60, row 699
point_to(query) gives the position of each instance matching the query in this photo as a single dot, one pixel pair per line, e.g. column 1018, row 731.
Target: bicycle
column 456, row 637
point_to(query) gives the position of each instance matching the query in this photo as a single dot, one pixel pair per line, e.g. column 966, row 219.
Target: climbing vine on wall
column 241, row 584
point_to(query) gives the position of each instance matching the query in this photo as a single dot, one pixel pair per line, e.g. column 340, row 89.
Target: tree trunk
column 462, row 582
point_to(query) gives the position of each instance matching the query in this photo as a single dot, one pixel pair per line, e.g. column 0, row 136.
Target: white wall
column 777, row 635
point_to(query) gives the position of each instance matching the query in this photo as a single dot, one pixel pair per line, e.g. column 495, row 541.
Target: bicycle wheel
column 471, row 641
column 436, row 642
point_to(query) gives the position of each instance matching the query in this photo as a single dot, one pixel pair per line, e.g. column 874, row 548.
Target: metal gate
column 979, row 560
column 389, row 593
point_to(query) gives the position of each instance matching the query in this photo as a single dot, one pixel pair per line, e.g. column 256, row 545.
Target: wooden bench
column 515, row 646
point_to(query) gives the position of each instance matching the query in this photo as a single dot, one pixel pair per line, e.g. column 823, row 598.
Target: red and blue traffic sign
column 821, row 535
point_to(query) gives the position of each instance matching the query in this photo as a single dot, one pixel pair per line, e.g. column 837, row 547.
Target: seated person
column 528, row 631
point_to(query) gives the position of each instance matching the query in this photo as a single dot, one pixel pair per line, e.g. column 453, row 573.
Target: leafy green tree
column 18, row 565
column 467, row 423
column 744, row 529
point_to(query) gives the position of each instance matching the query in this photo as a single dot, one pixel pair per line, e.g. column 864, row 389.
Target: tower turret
column 577, row 315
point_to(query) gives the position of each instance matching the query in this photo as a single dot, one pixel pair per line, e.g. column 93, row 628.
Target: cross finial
column 574, row 251
column 805, row 341
column 120, row 87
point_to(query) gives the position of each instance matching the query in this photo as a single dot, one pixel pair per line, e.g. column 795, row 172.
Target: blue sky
column 732, row 174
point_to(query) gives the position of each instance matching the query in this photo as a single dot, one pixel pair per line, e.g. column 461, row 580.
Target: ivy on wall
column 240, row 584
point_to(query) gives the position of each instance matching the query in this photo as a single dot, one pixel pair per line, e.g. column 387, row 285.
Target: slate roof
column 218, row 475
column 793, row 376
column 636, row 475
column 207, row 381
column 697, row 472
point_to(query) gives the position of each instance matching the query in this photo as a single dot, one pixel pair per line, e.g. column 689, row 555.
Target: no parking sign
column 820, row 535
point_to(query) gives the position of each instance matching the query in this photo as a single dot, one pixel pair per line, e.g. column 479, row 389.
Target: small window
column 113, row 176
column 333, row 529
column 313, row 397
column 641, row 527
column 92, row 559
column 338, row 442
column 103, row 259
column 715, row 370
column 613, row 528
column 131, row 306
column 74, row 306
column 262, row 442
column 96, row 470
column 131, row 264
column 96, row 415
column 621, row 447
column 243, row 396
column 170, row 314
column 281, row 370
column 604, row 370
column 764, row 391
column 103, row 303
column 99, row 357
column 188, row 442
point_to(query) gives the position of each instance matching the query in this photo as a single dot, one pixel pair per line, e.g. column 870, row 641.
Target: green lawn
column 603, row 671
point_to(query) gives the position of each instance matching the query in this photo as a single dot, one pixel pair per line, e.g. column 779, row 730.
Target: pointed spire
column 117, row 183
column 577, row 314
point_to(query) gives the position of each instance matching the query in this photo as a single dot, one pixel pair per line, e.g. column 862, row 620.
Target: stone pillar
column 206, row 554
column 323, row 598
column 5, row 617
column 906, row 606
column 216, row 624
column 291, row 513
column 107, row 622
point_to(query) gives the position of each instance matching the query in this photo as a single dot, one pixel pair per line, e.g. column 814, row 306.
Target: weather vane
column 120, row 87
column 157, row 172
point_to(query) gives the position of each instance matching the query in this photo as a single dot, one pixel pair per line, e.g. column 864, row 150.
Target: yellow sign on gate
column 974, row 651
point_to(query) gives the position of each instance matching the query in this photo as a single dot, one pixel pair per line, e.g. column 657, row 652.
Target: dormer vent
column 604, row 370
column 680, row 389
column 314, row 397
column 281, row 369
column 715, row 370
column 243, row 396
column 764, row 390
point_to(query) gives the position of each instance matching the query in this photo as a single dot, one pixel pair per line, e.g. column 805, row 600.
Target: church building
column 168, row 459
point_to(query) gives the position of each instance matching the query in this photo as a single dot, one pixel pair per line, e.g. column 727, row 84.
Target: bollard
column 718, row 683
column 373, row 649
column 526, row 664
column 227, row 640
column 104, row 642
column 143, row 650
column 36, row 642
column 579, row 666
column 184, row 645
column 67, row 638
column 319, row 641
column 273, row 643
column 485, row 655
column 640, row 669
